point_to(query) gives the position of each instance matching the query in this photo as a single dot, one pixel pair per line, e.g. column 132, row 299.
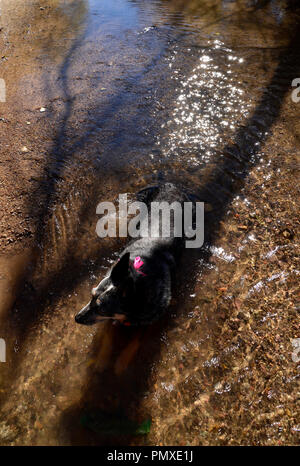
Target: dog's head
column 113, row 298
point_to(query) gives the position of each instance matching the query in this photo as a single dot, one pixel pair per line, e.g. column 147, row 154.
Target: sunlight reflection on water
column 209, row 102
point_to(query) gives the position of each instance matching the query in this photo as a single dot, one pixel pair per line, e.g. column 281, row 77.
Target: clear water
column 193, row 92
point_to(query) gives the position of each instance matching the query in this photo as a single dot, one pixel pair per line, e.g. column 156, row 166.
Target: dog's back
column 138, row 288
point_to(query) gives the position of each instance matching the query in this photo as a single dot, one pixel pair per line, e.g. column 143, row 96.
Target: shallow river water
column 104, row 98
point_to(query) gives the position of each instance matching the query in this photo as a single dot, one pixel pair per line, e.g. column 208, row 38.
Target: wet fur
column 125, row 294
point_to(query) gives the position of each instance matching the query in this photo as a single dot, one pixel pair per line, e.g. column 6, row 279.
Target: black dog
column 137, row 289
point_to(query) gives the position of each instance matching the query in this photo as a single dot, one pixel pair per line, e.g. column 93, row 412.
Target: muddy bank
column 103, row 100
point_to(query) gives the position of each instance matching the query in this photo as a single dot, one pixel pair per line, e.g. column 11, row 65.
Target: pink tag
column 137, row 262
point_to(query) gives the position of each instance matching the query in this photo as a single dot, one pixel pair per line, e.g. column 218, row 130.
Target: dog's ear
column 120, row 270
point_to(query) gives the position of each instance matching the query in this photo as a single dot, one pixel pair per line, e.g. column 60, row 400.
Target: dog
column 137, row 289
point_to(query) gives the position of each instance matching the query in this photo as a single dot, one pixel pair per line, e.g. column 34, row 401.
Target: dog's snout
column 78, row 318
column 83, row 317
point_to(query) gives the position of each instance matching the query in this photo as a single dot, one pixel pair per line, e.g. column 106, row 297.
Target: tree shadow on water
column 69, row 272
column 130, row 354
column 124, row 357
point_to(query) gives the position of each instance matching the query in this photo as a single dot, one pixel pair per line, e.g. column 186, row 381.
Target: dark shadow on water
column 114, row 392
column 115, row 389
column 31, row 305
column 122, row 384
column 70, row 272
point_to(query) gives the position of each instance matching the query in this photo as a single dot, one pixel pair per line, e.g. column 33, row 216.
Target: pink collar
column 137, row 264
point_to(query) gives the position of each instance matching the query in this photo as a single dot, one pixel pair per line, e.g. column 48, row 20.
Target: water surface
column 134, row 92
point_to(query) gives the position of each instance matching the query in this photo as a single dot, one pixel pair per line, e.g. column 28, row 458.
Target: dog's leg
column 128, row 353
column 104, row 355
